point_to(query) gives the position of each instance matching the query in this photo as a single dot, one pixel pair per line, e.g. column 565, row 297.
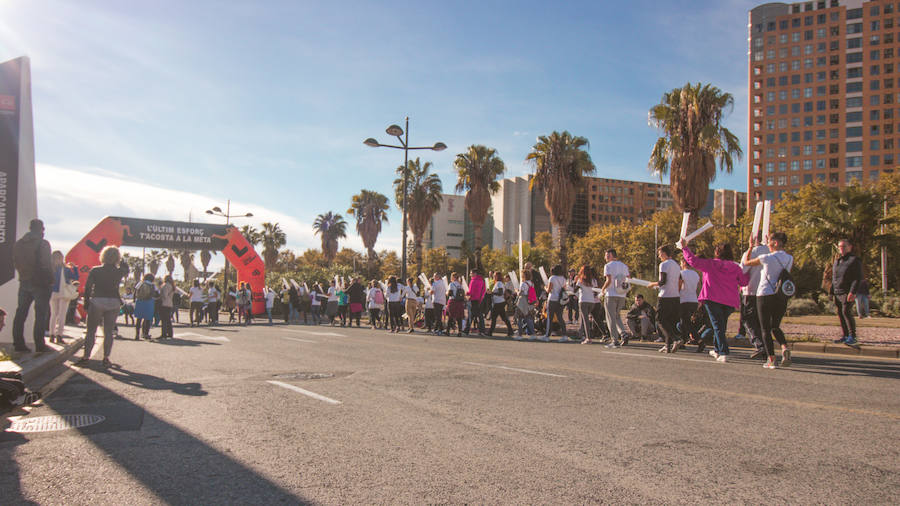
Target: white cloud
column 72, row 201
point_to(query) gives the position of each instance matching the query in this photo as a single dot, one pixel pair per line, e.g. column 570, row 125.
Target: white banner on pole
column 514, row 279
column 639, row 282
column 295, row 285
column 424, row 279
column 544, row 275
column 521, row 257
column 685, row 218
column 757, row 220
column 699, row 231
column 767, row 214
column 465, row 285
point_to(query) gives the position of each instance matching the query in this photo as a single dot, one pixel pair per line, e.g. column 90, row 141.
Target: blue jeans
column 718, row 318
column 269, row 313
column 526, row 323
column 29, row 293
column 862, row 305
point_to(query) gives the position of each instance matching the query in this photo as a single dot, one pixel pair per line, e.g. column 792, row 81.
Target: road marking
column 304, row 392
column 203, row 336
column 516, row 369
column 310, row 332
column 298, row 339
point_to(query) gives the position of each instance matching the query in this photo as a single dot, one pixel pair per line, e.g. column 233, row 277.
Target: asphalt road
column 297, row 414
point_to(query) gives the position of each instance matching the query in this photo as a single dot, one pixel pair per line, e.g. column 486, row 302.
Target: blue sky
column 163, row 109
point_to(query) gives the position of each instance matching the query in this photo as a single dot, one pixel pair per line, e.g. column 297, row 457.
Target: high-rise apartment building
column 451, row 227
column 824, row 94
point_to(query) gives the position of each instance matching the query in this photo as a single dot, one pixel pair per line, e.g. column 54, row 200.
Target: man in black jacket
column 846, row 276
column 31, row 256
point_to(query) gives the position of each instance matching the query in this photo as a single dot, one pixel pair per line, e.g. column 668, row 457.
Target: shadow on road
column 846, row 367
column 178, row 341
column 172, row 464
column 152, row 382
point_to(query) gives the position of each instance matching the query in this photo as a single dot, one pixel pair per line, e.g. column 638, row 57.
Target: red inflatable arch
column 173, row 235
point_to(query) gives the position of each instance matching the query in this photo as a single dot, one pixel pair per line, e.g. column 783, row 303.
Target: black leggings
column 396, row 311
column 499, row 309
column 845, row 314
column 667, row 316
column 686, row 311
column 374, row 316
column 438, row 316
column 771, row 311
column 555, row 308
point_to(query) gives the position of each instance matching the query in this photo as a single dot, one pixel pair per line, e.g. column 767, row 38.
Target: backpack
column 459, row 294
column 620, row 284
column 784, row 285
column 532, row 294
column 144, row 291
column 378, row 297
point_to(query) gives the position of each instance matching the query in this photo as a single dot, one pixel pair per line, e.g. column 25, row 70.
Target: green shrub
column 890, row 306
column 800, row 307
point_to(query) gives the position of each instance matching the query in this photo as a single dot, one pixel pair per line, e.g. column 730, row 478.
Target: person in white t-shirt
column 585, row 282
column 498, row 305
column 212, row 303
column 556, row 285
column 270, row 303
column 331, row 307
column 411, row 294
column 615, row 287
column 667, row 308
column 687, row 295
column 428, row 302
column 196, row 303
column 374, row 303
column 315, row 304
column 770, row 304
column 438, row 301
column 749, row 310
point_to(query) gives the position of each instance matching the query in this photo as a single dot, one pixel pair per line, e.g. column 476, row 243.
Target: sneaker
column 722, row 358
column 517, row 338
column 713, row 354
column 613, row 345
column 851, row 341
column 586, row 341
column 677, row 344
column 785, row 358
column 624, row 341
column 545, row 339
column 664, row 349
column 658, row 340
column 769, row 365
column 841, row 340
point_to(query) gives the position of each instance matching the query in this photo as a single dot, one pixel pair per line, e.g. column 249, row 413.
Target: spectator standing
column 31, row 258
column 846, row 276
column 63, row 274
column 196, row 295
column 615, row 287
column 101, row 296
column 167, row 306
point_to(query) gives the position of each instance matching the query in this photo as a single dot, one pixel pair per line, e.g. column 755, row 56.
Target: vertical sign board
column 18, row 196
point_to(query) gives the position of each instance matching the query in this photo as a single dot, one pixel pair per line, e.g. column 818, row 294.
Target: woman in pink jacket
column 720, row 295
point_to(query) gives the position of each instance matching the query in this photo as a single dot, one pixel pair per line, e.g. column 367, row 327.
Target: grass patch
column 802, row 338
column 832, row 320
column 4, row 356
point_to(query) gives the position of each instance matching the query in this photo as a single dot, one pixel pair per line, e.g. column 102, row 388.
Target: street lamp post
column 217, row 211
column 403, row 138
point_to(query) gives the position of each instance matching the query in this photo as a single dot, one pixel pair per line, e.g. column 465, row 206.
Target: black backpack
column 459, row 294
column 784, row 285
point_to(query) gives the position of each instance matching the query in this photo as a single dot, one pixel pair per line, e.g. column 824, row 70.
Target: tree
column 390, row 263
column 205, row 257
column 330, row 227
column 170, row 263
column 153, row 259
column 423, row 199
column 477, row 171
column 560, row 162
column 272, row 239
column 187, row 261
column 135, row 265
column 693, row 139
column 370, row 210
column 253, row 236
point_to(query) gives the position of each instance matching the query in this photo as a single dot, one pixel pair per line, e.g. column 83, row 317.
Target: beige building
column 451, row 227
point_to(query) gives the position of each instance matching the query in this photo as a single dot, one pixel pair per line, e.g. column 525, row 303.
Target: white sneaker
column 722, row 358
column 713, row 354
column 664, row 349
column 769, row 365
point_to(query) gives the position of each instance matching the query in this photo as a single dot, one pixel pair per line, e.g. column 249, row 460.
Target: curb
column 33, row 365
column 831, row 349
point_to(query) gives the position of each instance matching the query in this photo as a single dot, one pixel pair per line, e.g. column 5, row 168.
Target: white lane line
column 202, row 336
column 304, row 392
column 298, row 339
column 312, row 333
column 661, row 356
column 516, row 369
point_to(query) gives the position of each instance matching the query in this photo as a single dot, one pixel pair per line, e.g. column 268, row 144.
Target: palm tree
column 272, row 239
column 330, row 227
column 153, row 260
column 205, row 257
column 423, row 199
column 560, row 163
column 693, row 140
column 253, row 236
column 187, row 260
column 170, row 263
column 477, row 171
column 370, row 210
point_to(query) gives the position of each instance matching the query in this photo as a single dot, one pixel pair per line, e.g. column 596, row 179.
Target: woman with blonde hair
column 63, row 274
column 101, row 298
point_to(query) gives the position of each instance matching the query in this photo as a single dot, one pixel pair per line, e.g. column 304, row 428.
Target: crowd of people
column 531, row 308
